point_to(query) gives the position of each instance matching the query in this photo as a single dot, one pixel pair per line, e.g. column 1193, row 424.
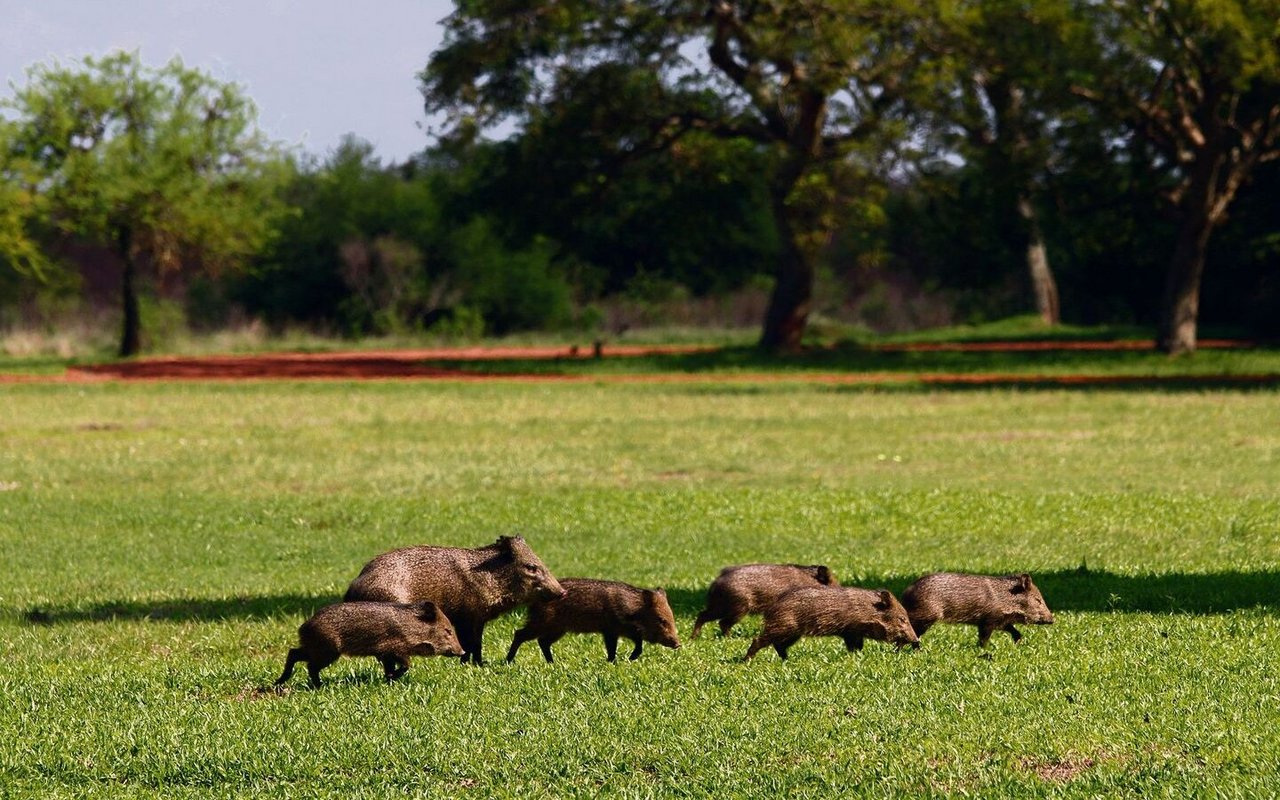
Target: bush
column 512, row 290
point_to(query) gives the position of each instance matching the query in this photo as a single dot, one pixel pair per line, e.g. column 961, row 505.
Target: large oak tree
column 1197, row 82
column 1010, row 62
column 164, row 166
column 810, row 82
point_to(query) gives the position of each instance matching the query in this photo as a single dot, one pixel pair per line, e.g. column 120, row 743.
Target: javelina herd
column 436, row 601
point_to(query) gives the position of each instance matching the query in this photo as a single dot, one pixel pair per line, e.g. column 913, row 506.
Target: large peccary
column 390, row 632
column 610, row 608
column 991, row 603
column 850, row 613
column 749, row 588
column 471, row 586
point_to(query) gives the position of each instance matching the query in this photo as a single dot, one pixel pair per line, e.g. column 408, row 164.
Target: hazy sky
column 317, row 69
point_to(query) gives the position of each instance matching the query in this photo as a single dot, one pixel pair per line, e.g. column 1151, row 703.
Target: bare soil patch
column 1058, row 770
column 432, row 364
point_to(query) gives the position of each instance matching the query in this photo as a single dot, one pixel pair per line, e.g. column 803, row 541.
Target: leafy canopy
column 167, row 163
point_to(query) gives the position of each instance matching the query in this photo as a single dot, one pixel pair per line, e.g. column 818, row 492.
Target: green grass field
column 161, row 543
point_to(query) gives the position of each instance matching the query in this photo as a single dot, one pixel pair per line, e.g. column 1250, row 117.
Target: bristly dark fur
column 610, row 608
column 850, row 613
column 750, row 588
column 471, row 585
column 390, row 632
column 989, row 602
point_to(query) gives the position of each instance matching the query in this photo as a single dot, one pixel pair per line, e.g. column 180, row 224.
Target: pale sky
column 317, row 69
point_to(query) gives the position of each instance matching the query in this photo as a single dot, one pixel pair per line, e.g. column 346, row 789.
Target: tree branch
column 729, row 28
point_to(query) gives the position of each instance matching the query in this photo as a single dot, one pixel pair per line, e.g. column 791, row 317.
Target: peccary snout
column 610, row 608
column 989, row 602
column 390, row 632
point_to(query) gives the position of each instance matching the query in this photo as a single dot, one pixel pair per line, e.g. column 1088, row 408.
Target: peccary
column 850, row 613
column 391, row 632
column 749, row 588
column 991, row 603
column 471, row 586
column 610, row 608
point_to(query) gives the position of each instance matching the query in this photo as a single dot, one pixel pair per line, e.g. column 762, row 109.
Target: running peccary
column 850, row 613
column 610, row 608
column 991, row 603
column 471, row 586
column 390, row 632
column 749, row 588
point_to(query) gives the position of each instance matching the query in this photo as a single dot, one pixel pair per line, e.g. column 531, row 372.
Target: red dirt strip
column 409, row 365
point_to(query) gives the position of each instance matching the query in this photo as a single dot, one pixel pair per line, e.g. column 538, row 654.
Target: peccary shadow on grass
column 1064, row 590
column 1098, row 591
column 914, row 371
column 1172, row 593
column 192, row 609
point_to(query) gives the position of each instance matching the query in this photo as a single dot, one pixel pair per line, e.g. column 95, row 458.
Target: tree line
column 1090, row 160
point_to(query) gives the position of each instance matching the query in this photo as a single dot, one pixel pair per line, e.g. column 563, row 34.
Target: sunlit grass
column 162, row 543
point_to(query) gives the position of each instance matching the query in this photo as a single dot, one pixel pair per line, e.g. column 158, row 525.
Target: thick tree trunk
column 1181, row 305
column 788, row 312
column 131, row 333
column 1043, row 285
column 1203, row 206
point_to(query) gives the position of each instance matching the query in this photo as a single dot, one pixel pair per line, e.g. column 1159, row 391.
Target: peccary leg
column 639, row 647
column 545, row 642
column 757, row 644
column 985, row 629
column 523, row 635
column 1014, row 632
column 919, row 626
column 611, row 645
column 318, row 663
column 704, row 616
column 731, row 617
column 471, row 637
column 295, row 655
column 394, row 667
column 852, row 642
column 783, row 646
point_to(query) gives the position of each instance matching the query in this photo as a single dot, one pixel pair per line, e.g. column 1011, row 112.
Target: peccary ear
column 427, row 612
column 824, row 575
column 886, row 600
column 1021, row 584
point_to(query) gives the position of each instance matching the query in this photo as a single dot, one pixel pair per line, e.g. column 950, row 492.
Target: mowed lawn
column 161, row 543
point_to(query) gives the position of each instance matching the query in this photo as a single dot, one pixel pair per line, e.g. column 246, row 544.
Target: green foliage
column 20, row 205
column 813, row 87
column 165, row 166
column 511, row 290
column 357, row 254
column 381, row 250
column 696, row 214
column 163, row 542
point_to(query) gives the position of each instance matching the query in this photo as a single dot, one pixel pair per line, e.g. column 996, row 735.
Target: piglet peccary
column 852, row 614
column 610, row 608
column 750, row 588
column 390, row 632
column 991, row 603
